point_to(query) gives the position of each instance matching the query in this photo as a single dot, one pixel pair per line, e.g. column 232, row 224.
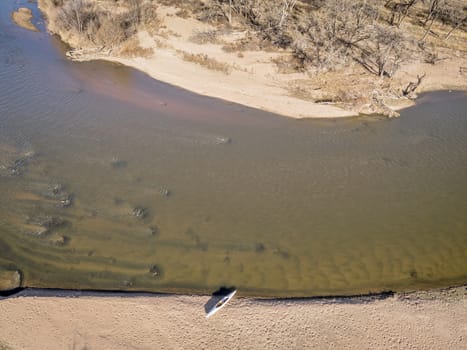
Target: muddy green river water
column 111, row 180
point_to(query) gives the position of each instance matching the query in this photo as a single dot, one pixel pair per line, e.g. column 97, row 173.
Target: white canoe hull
column 221, row 303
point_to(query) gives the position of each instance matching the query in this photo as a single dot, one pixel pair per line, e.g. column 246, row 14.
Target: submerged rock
column 10, row 280
column 46, row 224
column 140, row 212
column 282, row 253
column 18, row 167
column 165, row 192
column 154, row 230
column 65, row 202
column 154, row 270
column 60, row 240
column 222, row 140
column 13, row 161
column 58, row 192
column 128, row 283
column 259, row 247
column 118, row 163
column 51, row 222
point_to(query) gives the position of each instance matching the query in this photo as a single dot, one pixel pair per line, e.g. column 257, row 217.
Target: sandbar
column 434, row 319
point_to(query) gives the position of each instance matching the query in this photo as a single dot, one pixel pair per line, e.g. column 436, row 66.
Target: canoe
column 221, row 303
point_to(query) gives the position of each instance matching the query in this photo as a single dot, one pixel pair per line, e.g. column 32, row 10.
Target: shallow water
column 231, row 195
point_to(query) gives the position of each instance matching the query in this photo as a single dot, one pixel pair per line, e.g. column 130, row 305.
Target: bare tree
column 454, row 14
column 317, row 44
column 434, row 10
column 399, row 10
column 72, row 15
column 384, row 52
column 87, row 20
column 259, row 13
column 348, row 21
column 111, row 33
column 134, row 11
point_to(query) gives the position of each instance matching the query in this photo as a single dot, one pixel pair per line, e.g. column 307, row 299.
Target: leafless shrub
column 316, row 44
column 183, row 13
column 399, row 10
column 435, row 9
column 88, row 21
column 77, row 15
column 148, row 14
column 110, row 34
column 454, row 14
column 207, row 36
column 384, row 52
column 287, row 65
column 132, row 48
column 301, row 93
column 206, row 61
column 251, row 41
column 269, row 20
column 348, row 21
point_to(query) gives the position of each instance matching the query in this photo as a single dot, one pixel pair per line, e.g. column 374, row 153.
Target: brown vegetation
column 348, row 53
column 132, row 48
column 320, row 34
column 326, row 34
column 107, row 24
column 206, row 61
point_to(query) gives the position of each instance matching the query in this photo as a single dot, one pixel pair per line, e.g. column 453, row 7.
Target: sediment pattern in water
column 109, row 180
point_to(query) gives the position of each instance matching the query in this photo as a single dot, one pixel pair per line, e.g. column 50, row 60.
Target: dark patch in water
column 259, row 247
column 118, row 164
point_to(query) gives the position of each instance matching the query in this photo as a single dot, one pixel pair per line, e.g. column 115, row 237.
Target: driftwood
column 409, row 90
column 82, row 54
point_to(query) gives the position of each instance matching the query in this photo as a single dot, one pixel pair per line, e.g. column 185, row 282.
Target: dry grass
column 132, row 48
column 287, row 64
column 3, row 346
column 250, row 42
column 343, row 86
column 205, row 37
column 183, row 13
column 206, row 61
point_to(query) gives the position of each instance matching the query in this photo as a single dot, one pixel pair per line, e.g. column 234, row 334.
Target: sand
column 252, row 78
column 22, row 17
column 423, row 320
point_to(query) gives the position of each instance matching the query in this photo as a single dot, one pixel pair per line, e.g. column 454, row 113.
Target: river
column 111, row 180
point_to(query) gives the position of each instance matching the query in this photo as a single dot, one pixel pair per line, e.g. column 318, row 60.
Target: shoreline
column 320, row 110
column 252, row 79
column 65, row 293
column 417, row 320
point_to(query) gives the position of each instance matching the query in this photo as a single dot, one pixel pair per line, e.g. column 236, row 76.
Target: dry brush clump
column 104, row 23
column 327, row 34
column 132, row 48
column 206, row 61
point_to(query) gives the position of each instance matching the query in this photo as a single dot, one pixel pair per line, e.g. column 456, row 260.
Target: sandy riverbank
column 174, row 54
column 22, row 17
column 421, row 320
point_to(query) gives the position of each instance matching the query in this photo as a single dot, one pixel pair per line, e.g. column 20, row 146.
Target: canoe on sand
column 221, row 303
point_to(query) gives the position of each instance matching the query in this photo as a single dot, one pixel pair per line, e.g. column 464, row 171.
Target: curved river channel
column 111, row 180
